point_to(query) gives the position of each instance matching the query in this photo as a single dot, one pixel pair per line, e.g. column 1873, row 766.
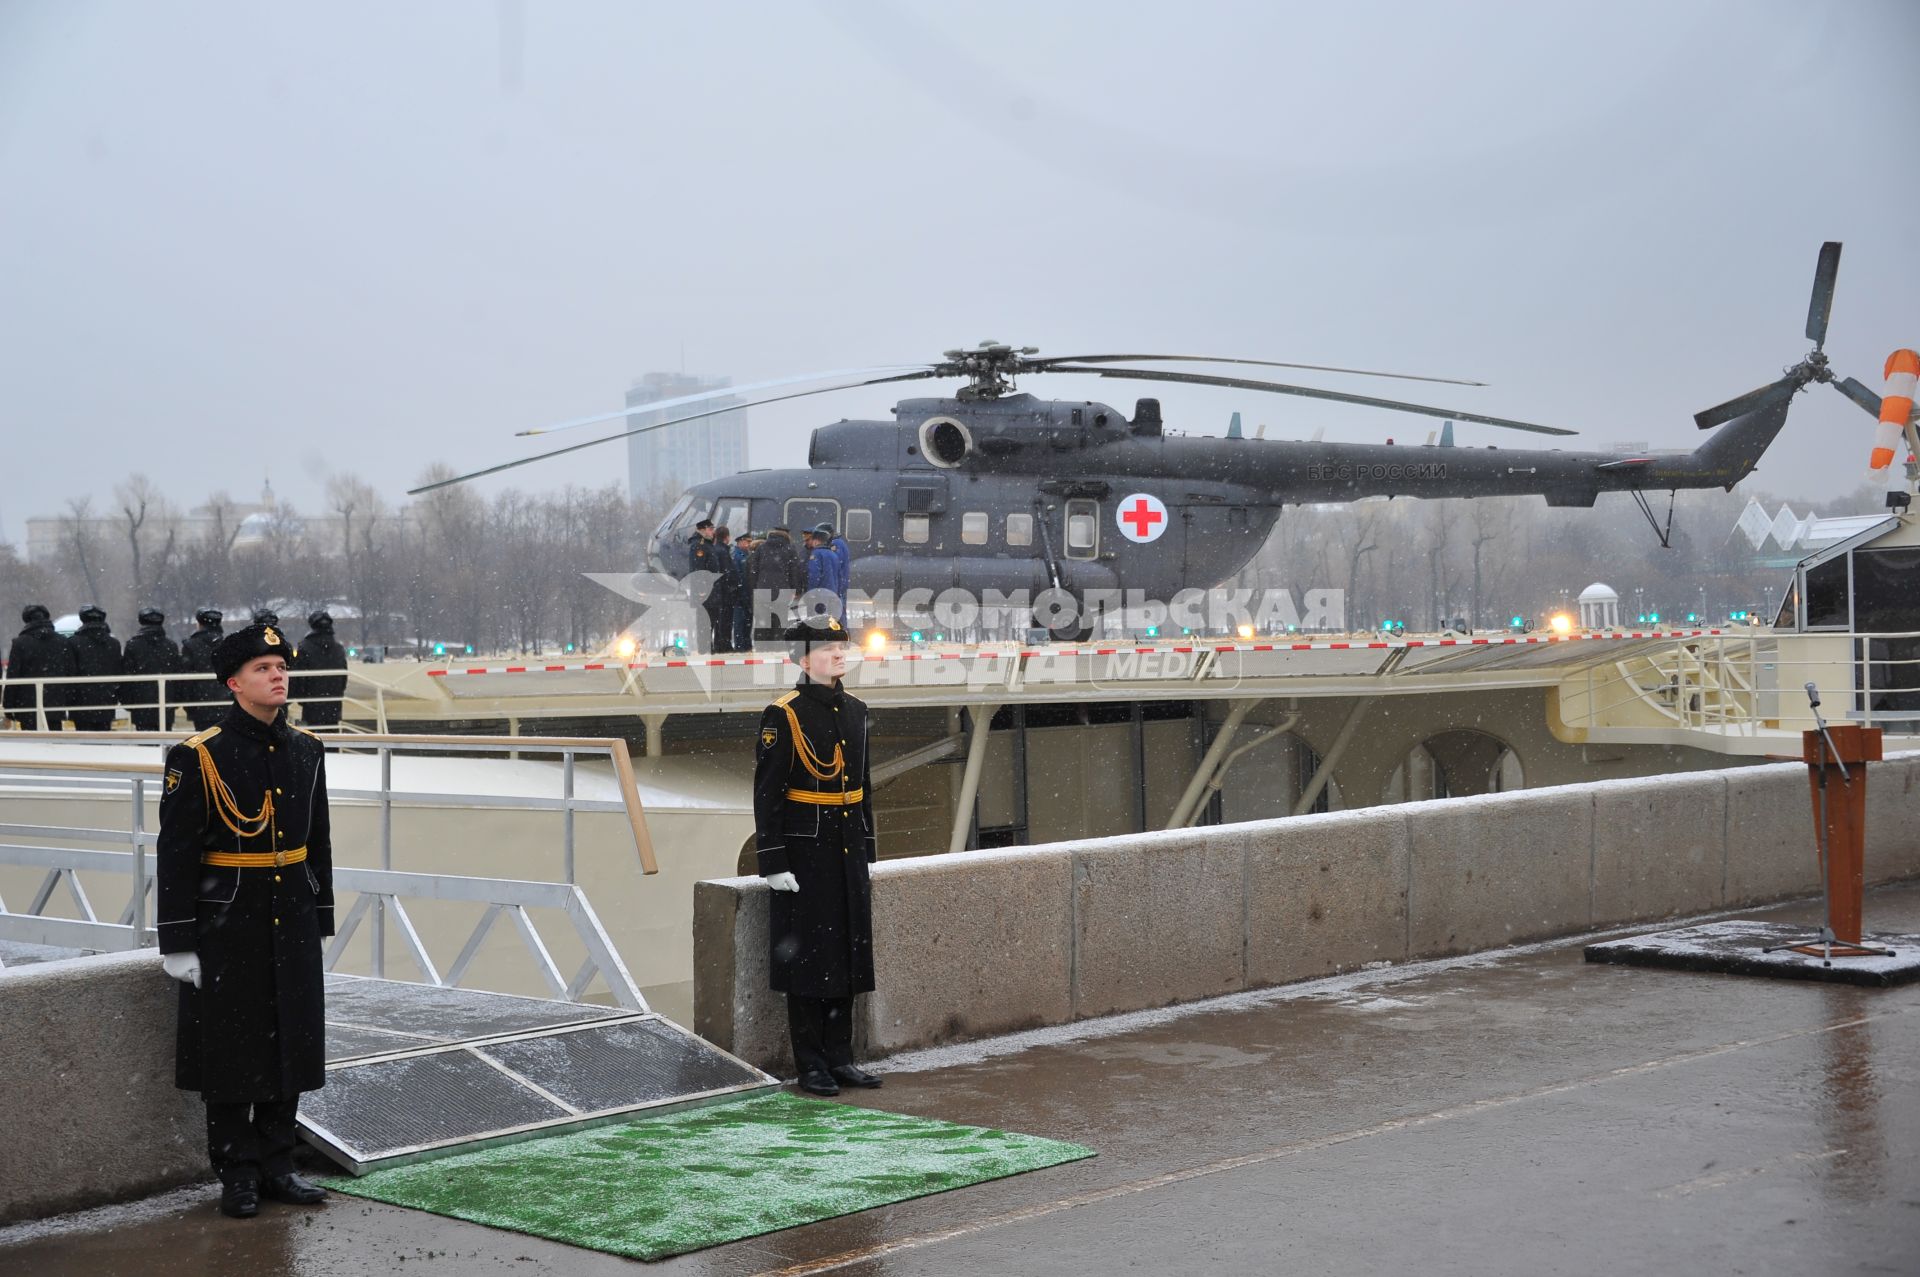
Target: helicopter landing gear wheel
column 1064, row 617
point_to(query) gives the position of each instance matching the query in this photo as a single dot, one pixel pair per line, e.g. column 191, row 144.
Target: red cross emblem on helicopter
column 1142, row 517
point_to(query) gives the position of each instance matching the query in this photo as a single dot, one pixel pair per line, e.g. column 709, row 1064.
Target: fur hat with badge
column 231, row 654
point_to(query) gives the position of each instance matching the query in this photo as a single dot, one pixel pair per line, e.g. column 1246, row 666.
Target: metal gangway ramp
column 416, row 1071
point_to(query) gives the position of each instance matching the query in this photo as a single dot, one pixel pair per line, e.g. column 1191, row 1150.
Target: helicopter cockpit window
column 1019, row 529
column 682, row 513
column 973, row 527
column 915, row 528
column 859, row 525
column 731, row 514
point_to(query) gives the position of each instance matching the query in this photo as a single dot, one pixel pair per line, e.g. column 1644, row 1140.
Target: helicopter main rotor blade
column 725, row 392
column 1741, row 405
column 1243, row 383
column 1859, row 394
column 658, row 425
column 1046, row 365
column 1820, row 307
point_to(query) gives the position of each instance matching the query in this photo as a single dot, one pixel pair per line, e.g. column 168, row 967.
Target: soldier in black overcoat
column 152, row 651
column 196, row 654
column 320, row 652
column 814, row 834
column 95, row 652
column 38, row 651
column 244, row 868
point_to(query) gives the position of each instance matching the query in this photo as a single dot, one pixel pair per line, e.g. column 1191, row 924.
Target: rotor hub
column 990, row 368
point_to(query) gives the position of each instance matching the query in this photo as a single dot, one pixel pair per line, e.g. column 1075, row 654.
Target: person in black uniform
column 704, row 556
column 38, row 651
column 774, row 569
column 244, row 867
column 813, row 832
column 196, row 656
column 321, row 651
column 95, row 652
column 266, row 616
column 150, row 652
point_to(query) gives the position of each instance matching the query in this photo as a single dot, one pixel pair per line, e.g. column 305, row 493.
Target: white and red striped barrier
column 1026, row 653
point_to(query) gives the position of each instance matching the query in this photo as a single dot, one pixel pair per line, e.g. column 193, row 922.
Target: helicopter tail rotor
column 1809, row 370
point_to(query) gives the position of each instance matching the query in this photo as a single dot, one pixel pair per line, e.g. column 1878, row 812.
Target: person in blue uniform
column 814, row 838
column 244, row 867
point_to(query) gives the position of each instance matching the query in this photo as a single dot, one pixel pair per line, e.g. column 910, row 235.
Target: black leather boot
column 294, row 1189
column 240, row 1195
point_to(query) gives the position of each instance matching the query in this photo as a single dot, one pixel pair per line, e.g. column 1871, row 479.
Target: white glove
column 184, row 967
column 783, row 882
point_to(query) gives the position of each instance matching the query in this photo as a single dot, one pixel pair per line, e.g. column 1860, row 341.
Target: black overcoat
column 196, row 657
column 320, row 672
column 151, row 651
column 95, row 652
column 255, row 1028
column 39, row 651
column 820, row 939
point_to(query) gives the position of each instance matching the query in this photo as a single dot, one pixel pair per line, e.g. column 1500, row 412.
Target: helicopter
column 993, row 489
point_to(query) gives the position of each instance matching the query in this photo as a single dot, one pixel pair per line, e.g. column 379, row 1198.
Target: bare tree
column 141, row 504
column 81, row 550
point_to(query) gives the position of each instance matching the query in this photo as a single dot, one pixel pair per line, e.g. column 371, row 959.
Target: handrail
column 379, row 890
column 566, row 746
column 1716, row 682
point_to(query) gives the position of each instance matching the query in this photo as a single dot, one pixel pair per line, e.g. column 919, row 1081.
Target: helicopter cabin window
column 915, row 528
column 973, row 527
column 1019, row 529
column 1083, row 529
column 859, row 525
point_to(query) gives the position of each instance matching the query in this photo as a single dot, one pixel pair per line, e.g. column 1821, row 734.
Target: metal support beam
column 1323, row 773
column 1197, row 786
column 970, row 779
column 1218, row 780
column 656, row 725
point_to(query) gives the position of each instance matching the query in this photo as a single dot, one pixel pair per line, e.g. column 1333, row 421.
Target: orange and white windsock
column 1896, row 406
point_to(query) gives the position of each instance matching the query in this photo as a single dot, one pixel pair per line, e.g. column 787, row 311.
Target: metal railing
column 1744, row 685
column 173, row 693
column 66, row 851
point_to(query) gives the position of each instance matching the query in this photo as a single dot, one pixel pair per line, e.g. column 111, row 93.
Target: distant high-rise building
column 663, row 462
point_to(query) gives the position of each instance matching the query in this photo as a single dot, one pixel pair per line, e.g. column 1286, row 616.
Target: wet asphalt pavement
column 1519, row 1112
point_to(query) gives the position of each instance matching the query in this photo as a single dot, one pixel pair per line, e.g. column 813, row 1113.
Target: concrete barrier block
column 732, row 1006
column 1659, row 847
column 1893, row 819
column 87, row 1102
column 1325, row 894
column 970, row 945
column 1770, row 847
column 1158, row 919
column 1496, row 870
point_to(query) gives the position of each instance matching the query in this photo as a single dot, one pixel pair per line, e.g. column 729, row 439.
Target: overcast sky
column 240, row 239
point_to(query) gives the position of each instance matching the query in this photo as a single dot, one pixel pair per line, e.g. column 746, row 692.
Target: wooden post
column 1845, row 808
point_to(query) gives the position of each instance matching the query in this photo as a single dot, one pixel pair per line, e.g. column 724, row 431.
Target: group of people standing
column 765, row 565
column 41, row 652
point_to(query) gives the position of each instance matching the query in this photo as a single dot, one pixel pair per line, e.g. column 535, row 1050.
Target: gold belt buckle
column 279, row 858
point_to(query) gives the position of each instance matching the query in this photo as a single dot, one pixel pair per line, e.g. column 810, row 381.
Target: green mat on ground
column 665, row 1185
